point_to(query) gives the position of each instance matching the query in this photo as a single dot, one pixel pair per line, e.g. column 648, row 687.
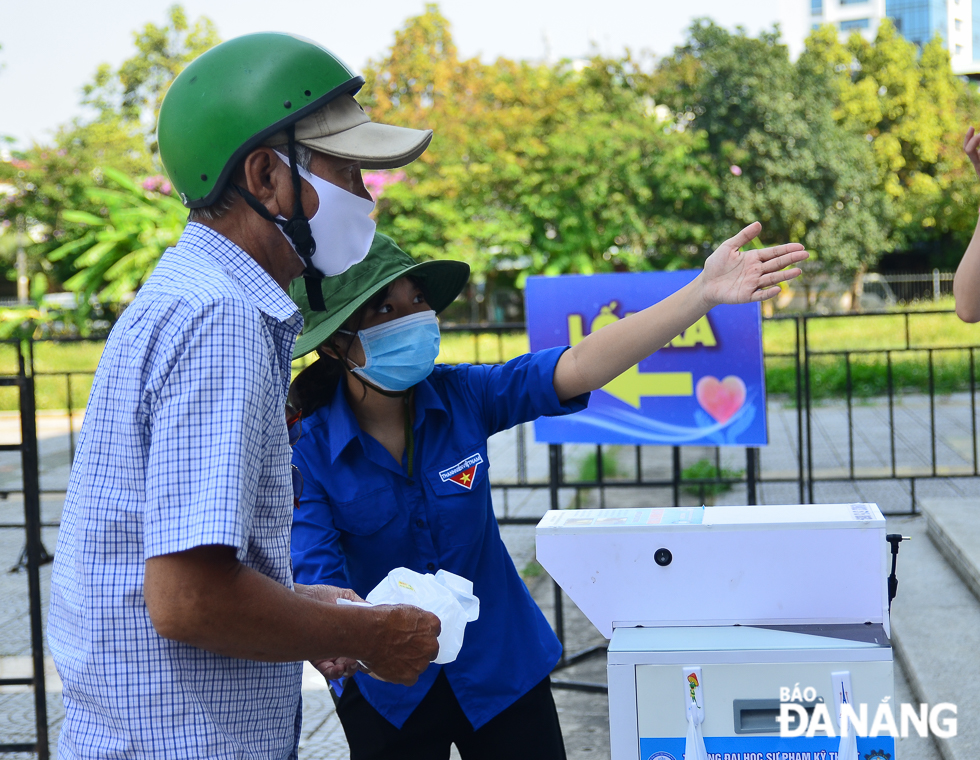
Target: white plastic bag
column 694, row 748
column 446, row 595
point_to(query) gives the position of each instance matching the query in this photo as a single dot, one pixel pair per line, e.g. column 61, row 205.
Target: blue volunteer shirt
column 184, row 444
column 361, row 516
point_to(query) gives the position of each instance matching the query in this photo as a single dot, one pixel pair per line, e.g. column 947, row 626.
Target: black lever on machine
column 894, row 539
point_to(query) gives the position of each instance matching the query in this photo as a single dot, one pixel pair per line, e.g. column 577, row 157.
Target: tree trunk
column 857, row 287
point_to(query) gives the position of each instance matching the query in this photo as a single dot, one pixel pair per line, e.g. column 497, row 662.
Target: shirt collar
column 426, row 398
column 264, row 291
column 342, row 426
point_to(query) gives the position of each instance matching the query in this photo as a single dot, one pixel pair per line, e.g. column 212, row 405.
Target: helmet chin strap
column 296, row 228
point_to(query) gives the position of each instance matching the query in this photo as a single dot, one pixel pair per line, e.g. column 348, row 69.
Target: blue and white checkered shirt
column 184, row 444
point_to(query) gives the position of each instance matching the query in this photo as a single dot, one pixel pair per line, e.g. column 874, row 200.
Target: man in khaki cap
column 174, row 621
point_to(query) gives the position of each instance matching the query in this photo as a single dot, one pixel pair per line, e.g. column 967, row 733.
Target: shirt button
column 420, row 523
column 431, row 566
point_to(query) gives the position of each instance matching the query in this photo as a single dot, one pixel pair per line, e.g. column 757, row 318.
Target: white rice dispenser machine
column 718, row 615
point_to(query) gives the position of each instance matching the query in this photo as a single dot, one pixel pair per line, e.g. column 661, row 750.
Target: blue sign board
column 706, row 387
column 768, row 748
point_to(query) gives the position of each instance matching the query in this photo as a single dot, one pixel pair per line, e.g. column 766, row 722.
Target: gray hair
column 304, row 157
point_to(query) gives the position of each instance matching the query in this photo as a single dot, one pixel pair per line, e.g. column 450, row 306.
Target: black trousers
column 527, row 730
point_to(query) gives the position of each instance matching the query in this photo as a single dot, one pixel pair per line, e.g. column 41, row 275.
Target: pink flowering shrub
column 376, row 182
column 736, row 170
column 157, row 184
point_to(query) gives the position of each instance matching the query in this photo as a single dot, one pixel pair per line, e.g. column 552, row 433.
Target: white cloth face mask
column 342, row 226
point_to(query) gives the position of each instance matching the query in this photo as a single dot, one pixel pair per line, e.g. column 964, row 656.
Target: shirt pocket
column 367, row 514
column 461, row 487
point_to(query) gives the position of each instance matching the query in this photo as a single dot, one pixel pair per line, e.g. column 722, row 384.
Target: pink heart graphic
column 720, row 398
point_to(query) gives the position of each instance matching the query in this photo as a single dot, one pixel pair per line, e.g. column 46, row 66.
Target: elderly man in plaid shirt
column 174, row 623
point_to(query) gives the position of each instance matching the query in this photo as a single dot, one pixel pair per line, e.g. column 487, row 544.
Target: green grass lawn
column 52, row 362
column 867, row 337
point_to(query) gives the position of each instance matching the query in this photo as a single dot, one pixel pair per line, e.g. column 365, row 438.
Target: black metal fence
column 887, row 400
column 807, row 372
column 908, row 287
column 32, row 555
column 895, row 388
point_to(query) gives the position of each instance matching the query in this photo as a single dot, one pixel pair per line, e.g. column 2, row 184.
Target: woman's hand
column 966, row 283
column 323, row 593
column 735, row 276
column 971, row 144
column 338, row 667
column 335, row 667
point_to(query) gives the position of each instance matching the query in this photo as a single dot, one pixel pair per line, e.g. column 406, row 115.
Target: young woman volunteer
column 393, row 455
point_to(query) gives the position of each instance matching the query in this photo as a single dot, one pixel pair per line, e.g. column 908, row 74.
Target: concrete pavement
column 936, row 615
column 933, row 617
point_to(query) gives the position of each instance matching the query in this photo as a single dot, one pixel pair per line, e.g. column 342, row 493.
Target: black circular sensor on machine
column 662, row 557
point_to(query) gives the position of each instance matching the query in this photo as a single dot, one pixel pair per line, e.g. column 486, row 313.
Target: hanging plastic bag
column 446, row 595
column 694, row 748
column 841, row 683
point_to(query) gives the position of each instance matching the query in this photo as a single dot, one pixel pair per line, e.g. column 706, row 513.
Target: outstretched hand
column 971, row 144
column 732, row 275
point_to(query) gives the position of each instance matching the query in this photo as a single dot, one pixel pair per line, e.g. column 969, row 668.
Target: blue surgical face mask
column 400, row 353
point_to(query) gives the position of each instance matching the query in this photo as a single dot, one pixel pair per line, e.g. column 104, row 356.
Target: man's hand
column 971, row 144
column 408, row 643
column 405, row 646
column 735, row 276
column 205, row 598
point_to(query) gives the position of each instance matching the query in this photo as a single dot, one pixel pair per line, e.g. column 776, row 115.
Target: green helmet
column 234, row 97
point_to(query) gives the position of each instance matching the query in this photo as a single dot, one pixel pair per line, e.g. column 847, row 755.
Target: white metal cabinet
column 760, row 598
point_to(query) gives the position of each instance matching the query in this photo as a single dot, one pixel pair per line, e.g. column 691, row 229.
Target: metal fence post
column 809, row 426
column 751, row 463
column 33, row 551
column 799, row 406
column 676, row 474
column 554, row 481
column 32, row 521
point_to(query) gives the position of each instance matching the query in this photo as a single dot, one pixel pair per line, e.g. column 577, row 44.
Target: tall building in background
column 957, row 22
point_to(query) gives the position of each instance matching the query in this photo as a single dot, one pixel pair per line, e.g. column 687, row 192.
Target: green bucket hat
column 345, row 293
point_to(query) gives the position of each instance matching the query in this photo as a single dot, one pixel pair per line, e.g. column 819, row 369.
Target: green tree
column 912, row 110
column 778, row 153
column 134, row 91
column 121, row 247
column 443, row 206
column 536, row 168
column 618, row 185
column 50, row 181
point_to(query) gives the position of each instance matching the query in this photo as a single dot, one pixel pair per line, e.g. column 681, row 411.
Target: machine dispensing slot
column 758, row 716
